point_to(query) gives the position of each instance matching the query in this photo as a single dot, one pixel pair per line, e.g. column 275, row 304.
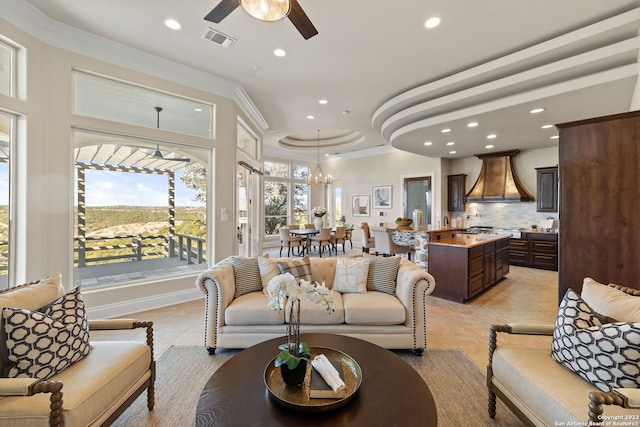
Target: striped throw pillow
column 247, row 275
column 299, row 268
column 383, row 273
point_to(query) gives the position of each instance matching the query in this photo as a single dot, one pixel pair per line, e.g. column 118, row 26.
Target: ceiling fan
column 157, row 153
column 296, row 15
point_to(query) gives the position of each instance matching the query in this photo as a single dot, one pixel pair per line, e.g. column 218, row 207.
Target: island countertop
column 470, row 240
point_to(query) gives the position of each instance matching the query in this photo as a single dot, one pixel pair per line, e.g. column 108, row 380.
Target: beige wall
column 44, row 237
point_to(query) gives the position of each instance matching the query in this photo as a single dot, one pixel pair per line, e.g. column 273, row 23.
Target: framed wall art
column 382, row 197
column 360, row 205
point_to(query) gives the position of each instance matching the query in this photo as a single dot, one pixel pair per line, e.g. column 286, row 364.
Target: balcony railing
column 129, row 248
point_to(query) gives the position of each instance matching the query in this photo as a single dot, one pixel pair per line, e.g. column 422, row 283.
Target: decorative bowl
column 404, row 224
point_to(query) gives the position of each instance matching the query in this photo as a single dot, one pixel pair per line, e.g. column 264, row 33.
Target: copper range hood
column 498, row 181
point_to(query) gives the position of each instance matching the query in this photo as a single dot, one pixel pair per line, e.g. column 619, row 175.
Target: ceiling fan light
column 266, row 10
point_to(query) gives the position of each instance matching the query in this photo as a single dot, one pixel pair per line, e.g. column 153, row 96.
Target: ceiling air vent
column 218, row 37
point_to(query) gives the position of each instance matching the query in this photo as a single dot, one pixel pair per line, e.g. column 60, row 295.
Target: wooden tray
column 297, row 398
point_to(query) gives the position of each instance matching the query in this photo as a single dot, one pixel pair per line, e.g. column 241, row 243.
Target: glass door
column 418, row 195
column 243, row 217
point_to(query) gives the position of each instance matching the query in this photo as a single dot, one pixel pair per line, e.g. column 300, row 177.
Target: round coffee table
column 392, row 392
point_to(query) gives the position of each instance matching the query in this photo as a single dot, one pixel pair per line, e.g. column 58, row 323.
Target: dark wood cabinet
column 535, row 250
column 599, row 161
column 462, row 273
column 547, row 189
column 456, row 191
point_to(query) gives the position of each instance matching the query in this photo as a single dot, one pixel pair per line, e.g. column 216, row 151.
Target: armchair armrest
column 31, row 386
column 624, row 397
column 517, row 329
column 120, row 324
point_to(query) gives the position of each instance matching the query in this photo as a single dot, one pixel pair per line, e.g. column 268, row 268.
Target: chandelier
column 267, row 10
column 317, row 176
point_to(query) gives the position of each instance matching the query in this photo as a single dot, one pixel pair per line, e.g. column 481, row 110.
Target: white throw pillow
column 610, row 302
column 351, row 275
column 268, row 270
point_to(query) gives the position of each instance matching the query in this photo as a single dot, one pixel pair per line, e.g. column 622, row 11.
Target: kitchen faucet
column 446, row 220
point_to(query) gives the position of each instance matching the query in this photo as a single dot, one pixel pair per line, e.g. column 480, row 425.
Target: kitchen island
column 465, row 265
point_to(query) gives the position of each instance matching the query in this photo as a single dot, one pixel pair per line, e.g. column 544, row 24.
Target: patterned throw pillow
column 383, row 273
column 299, row 268
column 605, row 354
column 41, row 343
column 351, row 275
column 247, row 275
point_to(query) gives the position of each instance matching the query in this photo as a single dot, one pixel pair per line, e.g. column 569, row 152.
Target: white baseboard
column 141, row 304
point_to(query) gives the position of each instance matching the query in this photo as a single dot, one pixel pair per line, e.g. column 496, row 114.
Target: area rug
column 457, row 384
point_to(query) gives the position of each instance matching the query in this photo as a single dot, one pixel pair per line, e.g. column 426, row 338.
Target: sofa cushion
column 313, row 313
column 252, row 309
column 298, row 268
column 268, row 270
column 606, row 355
column 373, row 308
column 247, row 275
column 112, row 369
column 383, row 273
column 611, row 302
column 39, row 344
column 351, row 275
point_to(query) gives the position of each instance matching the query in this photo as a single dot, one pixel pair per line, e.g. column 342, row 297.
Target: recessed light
column 452, row 152
column 472, row 124
column 488, row 146
column 197, row 110
column 546, row 126
column 173, row 24
column 432, row 22
column 555, row 137
column 279, row 52
column 536, row 110
column 257, row 68
column 428, row 143
column 345, row 112
column 323, row 101
column 492, row 136
column 446, row 130
column 451, row 143
column 310, row 117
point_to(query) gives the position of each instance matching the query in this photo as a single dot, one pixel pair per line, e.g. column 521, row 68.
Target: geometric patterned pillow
column 383, row 274
column 39, row 344
column 351, row 275
column 606, row 355
column 299, row 268
column 247, row 275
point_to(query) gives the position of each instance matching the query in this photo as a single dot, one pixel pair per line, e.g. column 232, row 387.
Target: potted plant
column 294, row 354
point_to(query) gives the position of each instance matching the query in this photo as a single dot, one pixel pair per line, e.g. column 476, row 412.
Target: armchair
column 93, row 391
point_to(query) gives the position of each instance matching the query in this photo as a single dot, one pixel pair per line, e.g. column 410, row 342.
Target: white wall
column 44, row 238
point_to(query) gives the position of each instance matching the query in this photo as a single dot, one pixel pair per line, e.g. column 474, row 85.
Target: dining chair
column 290, row 241
column 323, row 239
column 385, row 245
column 339, row 238
column 294, row 226
column 310, row 226
column 348, row 234
column 368, row 241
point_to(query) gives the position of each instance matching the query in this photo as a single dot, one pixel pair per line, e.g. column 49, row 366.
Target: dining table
column 306, row 234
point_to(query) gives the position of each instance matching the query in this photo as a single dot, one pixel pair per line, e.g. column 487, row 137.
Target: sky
column 106, row 188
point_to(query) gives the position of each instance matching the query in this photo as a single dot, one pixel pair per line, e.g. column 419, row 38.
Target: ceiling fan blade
column 301, row 21
column 222, row 10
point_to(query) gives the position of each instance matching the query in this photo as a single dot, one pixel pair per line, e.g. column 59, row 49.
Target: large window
column 140, row 209
column 7, row 71
column 6, row 138
column 286, row 196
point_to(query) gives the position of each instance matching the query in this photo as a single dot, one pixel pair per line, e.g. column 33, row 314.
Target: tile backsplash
column 504, row 215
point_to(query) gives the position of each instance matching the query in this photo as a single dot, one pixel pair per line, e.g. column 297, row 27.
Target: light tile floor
column 526, row 295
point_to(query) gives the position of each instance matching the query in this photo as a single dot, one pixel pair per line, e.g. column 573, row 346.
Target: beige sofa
column 93, row 391
column 543, row 392
column 394, row 321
